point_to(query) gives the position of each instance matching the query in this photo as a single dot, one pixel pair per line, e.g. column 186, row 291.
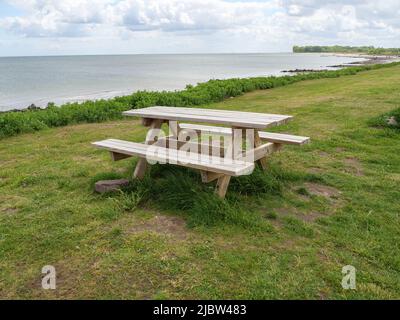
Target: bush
column 17, row 122
column 383, row 120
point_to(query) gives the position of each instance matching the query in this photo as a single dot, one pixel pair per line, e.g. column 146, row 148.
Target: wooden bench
column 212, row 167
column 267, row 136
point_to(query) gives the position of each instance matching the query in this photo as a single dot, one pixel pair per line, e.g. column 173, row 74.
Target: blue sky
column 7, row 9
column 53, row 27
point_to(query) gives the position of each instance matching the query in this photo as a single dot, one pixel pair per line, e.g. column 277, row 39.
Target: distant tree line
column 347, row 49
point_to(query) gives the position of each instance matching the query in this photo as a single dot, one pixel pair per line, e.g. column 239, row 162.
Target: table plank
column 231, row 118
column 221, row 113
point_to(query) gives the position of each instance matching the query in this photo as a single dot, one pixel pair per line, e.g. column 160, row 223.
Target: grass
column 283, row 234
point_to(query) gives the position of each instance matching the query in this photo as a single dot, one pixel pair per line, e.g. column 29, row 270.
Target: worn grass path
column 347, row 215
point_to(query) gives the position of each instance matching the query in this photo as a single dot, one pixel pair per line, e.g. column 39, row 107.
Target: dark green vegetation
column 285, row 233
column 346, row 49
column 389, row 119
column 179, row 189
column 13, row 123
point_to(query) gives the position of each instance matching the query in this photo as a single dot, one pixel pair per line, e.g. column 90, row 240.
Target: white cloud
column 65, row 18
column 258, row 25
column 51, row 18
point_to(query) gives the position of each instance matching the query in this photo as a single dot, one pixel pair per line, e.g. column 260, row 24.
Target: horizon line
column 139, row 54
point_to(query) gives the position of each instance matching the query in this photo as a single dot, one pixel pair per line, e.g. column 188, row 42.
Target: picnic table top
column 226, row 117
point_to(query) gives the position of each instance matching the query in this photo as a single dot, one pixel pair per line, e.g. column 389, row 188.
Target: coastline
column 96, row 111
column 368, row 60
column 108, row 95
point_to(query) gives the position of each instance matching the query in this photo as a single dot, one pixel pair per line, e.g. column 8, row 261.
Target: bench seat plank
column 213, row 164
column 283, row 138
column 269, row 136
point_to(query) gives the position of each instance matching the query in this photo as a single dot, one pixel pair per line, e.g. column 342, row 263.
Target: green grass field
column 332, row 203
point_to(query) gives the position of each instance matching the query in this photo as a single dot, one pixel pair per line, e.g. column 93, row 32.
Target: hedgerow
column 387, row 120
column 17, row 122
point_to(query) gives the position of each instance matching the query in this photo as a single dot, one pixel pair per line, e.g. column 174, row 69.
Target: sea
column 60, row 79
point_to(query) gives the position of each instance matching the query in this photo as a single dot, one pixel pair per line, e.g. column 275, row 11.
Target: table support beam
column 142, row 164
column 257, row 143
column 222, row 186
column 208, row 176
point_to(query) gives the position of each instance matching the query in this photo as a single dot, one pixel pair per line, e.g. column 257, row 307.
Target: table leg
column 174, row 129
column 224, row 180
column 142, row 164
column 257, row 143
column 222, row 186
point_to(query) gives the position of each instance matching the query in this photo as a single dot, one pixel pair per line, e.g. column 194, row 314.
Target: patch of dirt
column 9, row 211
column 353, row 166
column 322, row 295
column 323, row 154
column 395, row 176
column 287, row 244
column 314, row 189
column 164, row 225
column 322, row 190
column 322, row 256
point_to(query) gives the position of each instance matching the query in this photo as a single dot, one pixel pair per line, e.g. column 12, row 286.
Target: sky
column 68, row 27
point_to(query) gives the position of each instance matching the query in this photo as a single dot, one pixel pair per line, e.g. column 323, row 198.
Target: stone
column 392, row 121
column 110, row 185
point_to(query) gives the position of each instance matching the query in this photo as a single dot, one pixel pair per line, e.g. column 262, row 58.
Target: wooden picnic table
column 215, row 166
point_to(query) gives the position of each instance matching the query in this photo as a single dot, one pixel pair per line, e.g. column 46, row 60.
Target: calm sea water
column 38, row 80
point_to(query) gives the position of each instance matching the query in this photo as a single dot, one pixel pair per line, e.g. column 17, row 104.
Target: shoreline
column 15, row 123
column 367, row 60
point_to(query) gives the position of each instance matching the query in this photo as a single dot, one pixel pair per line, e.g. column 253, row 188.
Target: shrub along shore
column 18, row 122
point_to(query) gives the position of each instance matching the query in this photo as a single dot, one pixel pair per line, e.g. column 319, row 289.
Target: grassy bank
column 283, row 234
column 14, row 123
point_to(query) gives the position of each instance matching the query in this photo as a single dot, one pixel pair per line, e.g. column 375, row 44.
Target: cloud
column 65, row 18
column 178, row 15
column 50, row 18
column 259, row 24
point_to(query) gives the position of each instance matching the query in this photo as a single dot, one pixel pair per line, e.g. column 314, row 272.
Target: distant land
column 370, row 50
